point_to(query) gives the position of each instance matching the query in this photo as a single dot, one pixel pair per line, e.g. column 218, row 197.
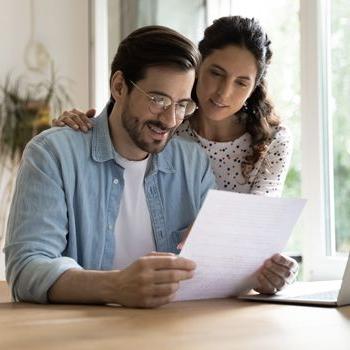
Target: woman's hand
column 277, row 272
column 75, row 119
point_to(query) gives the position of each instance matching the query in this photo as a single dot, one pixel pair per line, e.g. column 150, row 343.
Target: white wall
column 63, row 27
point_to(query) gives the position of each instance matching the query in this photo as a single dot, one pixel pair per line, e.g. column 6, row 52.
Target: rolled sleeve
column 37, row 227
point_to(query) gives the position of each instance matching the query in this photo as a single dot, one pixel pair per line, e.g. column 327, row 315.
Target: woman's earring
column 245, row 107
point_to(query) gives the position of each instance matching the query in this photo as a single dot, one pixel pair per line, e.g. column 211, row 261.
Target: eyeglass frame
column 164, row 108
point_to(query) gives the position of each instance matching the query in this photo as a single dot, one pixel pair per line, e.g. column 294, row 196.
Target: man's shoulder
column 185, row 154
column 186, row 147
column 60, row 137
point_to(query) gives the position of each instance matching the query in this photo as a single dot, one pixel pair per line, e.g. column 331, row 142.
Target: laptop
column 321, row 293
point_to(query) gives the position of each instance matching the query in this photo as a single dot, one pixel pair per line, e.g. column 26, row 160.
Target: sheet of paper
column 231, row 238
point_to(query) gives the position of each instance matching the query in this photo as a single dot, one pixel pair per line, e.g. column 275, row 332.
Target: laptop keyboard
column 329, row 295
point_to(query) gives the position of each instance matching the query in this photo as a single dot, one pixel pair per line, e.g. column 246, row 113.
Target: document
column 231, row 238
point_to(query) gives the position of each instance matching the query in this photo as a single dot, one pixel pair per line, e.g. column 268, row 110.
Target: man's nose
column 168, row 117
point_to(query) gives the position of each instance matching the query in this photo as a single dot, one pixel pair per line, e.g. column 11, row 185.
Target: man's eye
column 159, row 100
column 183, row 105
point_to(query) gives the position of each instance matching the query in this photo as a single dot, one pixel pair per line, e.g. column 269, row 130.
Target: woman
column 235, row 122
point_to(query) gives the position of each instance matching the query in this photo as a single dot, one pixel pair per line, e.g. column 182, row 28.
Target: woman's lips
column 218, row 104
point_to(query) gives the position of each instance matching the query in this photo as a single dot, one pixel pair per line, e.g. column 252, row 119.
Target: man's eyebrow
column 166, row 95
column 222, row 69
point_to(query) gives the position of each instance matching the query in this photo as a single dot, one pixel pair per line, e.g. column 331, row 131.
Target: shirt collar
column 103, row 149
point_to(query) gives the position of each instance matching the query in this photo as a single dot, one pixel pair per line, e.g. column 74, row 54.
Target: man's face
column 144, row 131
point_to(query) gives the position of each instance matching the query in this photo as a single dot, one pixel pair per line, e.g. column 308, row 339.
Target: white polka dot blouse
column 265, row 178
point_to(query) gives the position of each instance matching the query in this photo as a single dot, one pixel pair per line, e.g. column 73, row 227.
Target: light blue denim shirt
column 67, row 198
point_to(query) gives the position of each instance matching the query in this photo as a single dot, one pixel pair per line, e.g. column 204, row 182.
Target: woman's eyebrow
column 245, row 77
column 214, row 65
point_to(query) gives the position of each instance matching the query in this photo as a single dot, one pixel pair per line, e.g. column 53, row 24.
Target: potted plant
column 25, row 111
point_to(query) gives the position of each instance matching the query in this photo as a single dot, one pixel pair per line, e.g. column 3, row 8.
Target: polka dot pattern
column 265, row 178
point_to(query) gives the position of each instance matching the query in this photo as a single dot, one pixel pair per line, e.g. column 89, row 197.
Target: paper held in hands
column 231, row 238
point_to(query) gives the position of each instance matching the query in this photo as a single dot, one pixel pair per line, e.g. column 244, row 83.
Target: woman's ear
column 118, row 85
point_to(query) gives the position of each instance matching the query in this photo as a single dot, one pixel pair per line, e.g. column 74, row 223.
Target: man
column 89, row 209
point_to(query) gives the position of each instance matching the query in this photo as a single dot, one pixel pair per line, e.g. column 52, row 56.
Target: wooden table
column 211, row 324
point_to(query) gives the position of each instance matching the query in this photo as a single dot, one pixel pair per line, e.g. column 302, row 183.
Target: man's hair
column 153, row 46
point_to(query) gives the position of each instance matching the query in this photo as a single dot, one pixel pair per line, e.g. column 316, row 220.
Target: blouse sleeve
column 273, row 169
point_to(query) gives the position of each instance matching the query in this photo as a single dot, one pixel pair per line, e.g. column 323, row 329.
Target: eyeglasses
column 160, row 103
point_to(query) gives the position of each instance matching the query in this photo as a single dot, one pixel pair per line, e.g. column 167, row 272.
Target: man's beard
column 135, row 128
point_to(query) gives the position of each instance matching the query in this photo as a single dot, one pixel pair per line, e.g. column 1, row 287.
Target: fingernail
column 85, row 129
column 75, row 126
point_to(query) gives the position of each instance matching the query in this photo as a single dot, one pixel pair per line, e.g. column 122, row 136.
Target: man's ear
column 118, row 85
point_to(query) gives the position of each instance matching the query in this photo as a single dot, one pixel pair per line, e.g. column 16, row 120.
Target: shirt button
column 110, row 227
column 115, row 181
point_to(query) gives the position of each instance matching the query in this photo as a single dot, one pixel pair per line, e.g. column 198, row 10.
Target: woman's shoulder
column 281, row 133
column 183, row 127
column 185, row 130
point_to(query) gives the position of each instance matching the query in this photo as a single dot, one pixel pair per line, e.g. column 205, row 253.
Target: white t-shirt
column 268, row 174
column 133, row 229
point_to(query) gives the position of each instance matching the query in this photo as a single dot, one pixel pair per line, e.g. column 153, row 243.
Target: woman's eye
column 215, row 73
column 242, row 83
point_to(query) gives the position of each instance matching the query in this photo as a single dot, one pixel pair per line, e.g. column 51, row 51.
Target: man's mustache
column 158, row 124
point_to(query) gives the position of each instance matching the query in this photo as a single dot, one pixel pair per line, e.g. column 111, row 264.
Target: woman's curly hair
column 258, row 112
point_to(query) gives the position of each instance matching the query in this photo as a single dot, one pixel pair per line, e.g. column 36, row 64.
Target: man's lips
column 158, row 132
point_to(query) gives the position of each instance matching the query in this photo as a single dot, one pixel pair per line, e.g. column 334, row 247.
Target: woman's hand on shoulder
column 75, row 119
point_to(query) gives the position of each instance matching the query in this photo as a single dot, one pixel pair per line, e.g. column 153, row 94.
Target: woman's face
column 226, row 79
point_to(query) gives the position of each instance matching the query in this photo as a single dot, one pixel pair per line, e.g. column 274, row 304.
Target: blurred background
column 56, row 54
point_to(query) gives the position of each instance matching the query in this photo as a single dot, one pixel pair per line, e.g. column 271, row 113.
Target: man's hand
column 277, row 272
column 152, row 280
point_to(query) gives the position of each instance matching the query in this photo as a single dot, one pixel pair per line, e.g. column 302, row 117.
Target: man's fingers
column 169, row 276
column 165, row 289
column 166, row 262
column 157, row 301
column 160, row 254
